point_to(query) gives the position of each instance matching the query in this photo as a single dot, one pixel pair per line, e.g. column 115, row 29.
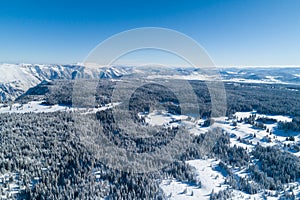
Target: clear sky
column 234, row 32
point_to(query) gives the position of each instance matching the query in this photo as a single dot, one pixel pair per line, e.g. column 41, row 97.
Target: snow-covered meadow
column 242, row 134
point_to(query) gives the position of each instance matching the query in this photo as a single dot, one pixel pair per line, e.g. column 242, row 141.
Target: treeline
column 281, row 165
column 271, row 170
column 272, row 99
column 294, row 125
column 265, row 98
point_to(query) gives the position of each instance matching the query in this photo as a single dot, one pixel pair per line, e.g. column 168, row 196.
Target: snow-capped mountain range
column 15, row 79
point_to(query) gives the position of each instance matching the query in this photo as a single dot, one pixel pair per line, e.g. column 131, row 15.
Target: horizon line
column 153, row 64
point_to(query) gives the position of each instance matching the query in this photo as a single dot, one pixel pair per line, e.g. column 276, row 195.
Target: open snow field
column 207, row 172
column 39, row 107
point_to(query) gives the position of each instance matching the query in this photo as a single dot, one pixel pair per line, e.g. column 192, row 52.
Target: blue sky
column 234, row 32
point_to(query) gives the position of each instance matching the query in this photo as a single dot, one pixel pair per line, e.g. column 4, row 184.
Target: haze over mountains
column 16, row 79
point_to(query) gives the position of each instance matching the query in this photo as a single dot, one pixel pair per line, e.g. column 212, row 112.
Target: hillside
column 16, row 79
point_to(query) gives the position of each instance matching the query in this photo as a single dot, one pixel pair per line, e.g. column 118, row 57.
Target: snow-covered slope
column 15, row 79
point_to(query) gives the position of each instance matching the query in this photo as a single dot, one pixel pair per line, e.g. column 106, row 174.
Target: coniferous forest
column 43, row 153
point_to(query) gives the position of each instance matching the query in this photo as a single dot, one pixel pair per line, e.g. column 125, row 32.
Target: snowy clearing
column 207, row 172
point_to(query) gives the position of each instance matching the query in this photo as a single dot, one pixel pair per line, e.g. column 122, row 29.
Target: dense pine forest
column 44, row 155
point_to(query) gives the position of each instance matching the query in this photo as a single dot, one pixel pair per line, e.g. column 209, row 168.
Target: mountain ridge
column 16, row 79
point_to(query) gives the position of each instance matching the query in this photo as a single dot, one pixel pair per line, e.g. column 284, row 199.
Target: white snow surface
column 211, row 179
column 39, row 107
